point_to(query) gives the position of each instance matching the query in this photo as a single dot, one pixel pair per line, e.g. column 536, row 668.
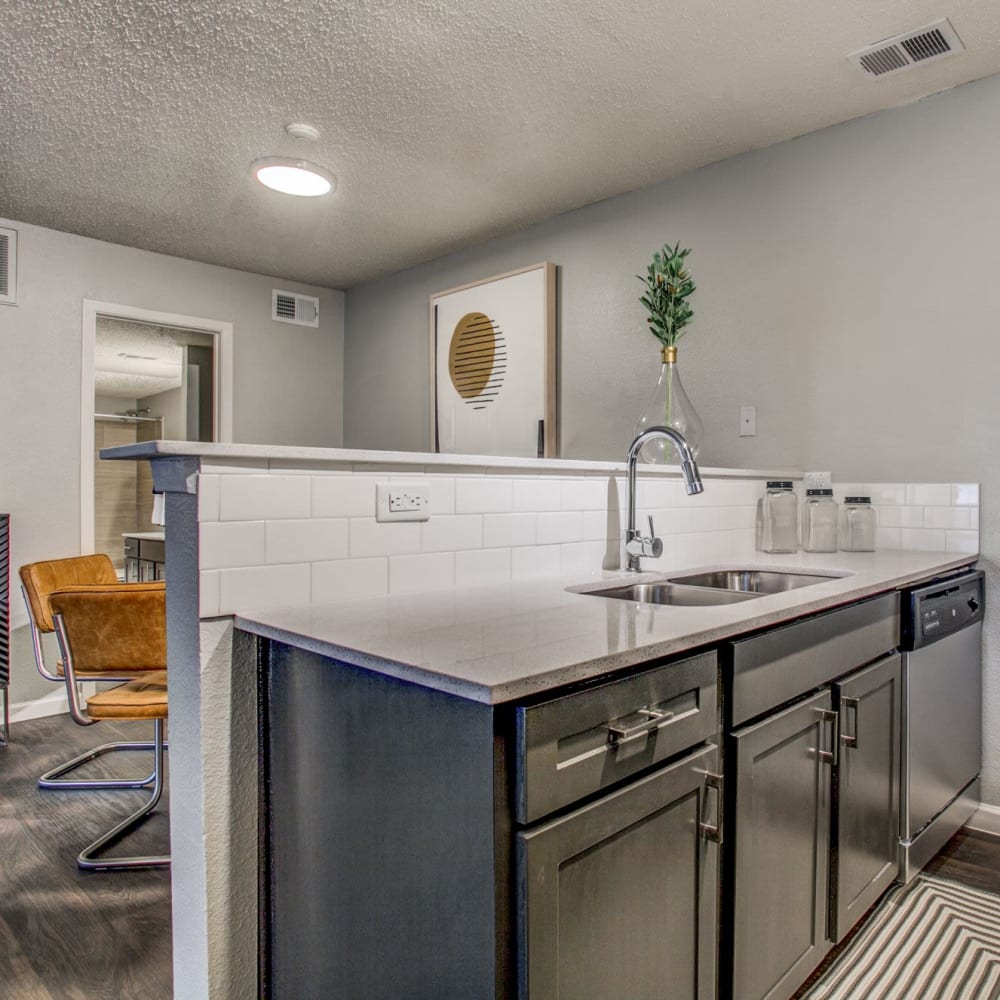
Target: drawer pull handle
column 850, row 705
column 617, row 735
column 709, row 831
column 828, row 756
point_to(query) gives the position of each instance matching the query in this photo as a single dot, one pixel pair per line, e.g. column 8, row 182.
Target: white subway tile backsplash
column 704, row 518
column 922, row 540
column 946, row 517
column 208, row 596
column 451, row 533
column 505, row 530
column 888, row 538
column 962, row 542
column 657, row 493
column 429, row 571
column 230, row 543
column 482, row 566
column 584, row 494
column 595, row 524
column 371, row 538
column 583, row 557
column 208, row 497
column 928, row 494
column 343, row 496
column 486, row 495
column 536, row 494
column 310, row 540
column 885, row 494
column 900, row 517
column 254, row 587
column 263, row 498
column 349, row 578
column 536, row 560
column 965, row 494
column 564, row 526
column 442, row 495
column 235, row 466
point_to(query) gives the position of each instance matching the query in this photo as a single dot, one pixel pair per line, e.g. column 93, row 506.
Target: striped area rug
column 930, row 940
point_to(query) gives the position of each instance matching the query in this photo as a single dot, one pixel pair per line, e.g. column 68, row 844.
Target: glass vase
column 669, row 406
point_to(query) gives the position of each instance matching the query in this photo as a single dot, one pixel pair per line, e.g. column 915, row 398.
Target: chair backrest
column 40, row 579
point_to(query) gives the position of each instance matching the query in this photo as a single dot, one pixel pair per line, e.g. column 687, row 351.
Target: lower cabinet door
column 781, row 839
column 866, row 825
column 619, row 898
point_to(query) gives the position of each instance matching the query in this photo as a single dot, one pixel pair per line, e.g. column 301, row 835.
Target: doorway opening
column 146, row 376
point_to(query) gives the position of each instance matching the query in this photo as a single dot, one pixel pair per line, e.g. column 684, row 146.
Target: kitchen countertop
column 500, row 643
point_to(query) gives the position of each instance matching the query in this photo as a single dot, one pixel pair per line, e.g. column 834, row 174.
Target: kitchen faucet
column 635, row 545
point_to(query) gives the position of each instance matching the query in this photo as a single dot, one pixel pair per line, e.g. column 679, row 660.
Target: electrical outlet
column 817, row 480
column 748, row 421
column 402, row 502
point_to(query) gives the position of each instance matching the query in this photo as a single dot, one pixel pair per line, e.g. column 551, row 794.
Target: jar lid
column 819, row 493
column 857, row 499
column 779, row 484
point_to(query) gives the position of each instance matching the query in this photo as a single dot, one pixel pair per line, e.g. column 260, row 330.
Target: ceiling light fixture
column 291, row 174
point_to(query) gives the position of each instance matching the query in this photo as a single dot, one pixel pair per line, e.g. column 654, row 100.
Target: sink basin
column 751, row 581
column 662, row 592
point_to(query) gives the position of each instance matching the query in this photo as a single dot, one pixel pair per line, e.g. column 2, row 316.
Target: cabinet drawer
column 576, row 745
column 153, row 549
column 782, row 664
column 131, row 548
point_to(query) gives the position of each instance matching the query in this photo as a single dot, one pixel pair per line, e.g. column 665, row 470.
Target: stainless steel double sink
column 726, row 586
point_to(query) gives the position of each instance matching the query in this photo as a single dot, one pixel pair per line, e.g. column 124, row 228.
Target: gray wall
column 287, row 378
column 847, row 287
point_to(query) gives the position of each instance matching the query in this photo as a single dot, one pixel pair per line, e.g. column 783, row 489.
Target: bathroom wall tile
column 922, row 540
column 584, row 494
column 928, row 494
column 343, row 496
column 263, row 498
column 947, row 517
column 537, row 560
column 887, row 538
column 451, row 533
column 256, row 587
column 347, row 578
column 564, row 526
column 583, row 557
column 483, row 566
column 230, row 543
column 429, row 571
column 370, row 538
column 486, row 495
column 208, row 497
column 885, row 494
column 537, row 494
column 962, row 542
column 965, row 494
column 504, row 530
column 208, row 593
column 310, row 540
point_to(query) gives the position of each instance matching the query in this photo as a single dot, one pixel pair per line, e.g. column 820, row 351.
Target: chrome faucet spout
column 635, row 545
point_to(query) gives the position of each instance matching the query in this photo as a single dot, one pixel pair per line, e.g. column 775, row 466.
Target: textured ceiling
column 446, row 121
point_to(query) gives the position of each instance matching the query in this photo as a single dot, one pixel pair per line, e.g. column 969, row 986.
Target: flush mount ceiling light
column 291, row 174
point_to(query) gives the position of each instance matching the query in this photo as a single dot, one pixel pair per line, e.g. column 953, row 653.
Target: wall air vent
column 8, row 267
column 934, row 41
column 287, row 307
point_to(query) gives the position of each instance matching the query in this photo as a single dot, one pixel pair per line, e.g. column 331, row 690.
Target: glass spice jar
column 779, row 518
column 857, row 525
column 819, row 521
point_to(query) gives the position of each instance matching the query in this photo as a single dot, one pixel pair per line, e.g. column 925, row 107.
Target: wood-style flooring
column 70, row 935
column 67, row 934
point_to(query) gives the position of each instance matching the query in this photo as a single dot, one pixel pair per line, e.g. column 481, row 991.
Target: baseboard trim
column 986, row 819
column 54, row 703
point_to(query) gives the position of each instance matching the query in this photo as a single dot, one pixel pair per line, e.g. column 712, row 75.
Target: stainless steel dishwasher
column 942, row 632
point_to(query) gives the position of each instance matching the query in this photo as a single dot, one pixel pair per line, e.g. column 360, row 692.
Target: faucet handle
column 654, row 546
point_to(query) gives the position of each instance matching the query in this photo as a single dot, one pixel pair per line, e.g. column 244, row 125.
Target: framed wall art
column 493, row 365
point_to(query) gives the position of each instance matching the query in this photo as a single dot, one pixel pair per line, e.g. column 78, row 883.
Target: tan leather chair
column 109, row 632
column 38, row 582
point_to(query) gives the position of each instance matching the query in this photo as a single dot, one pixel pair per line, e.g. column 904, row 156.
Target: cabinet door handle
column 617, row 735
column 850, row 705
column 829, row 756
column 708, row 830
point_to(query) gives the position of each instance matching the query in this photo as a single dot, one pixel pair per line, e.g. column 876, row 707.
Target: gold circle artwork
column 477, row 359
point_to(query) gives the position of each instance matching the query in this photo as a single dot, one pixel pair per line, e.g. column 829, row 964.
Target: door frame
column 223, row 416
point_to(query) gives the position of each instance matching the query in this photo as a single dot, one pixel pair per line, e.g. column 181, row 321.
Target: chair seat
column 142, row 698
column 97, row 675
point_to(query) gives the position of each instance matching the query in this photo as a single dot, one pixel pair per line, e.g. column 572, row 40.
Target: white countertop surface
column 500, row 643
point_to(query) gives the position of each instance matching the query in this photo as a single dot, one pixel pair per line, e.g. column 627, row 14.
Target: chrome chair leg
column 53, row 778
column 86, row 859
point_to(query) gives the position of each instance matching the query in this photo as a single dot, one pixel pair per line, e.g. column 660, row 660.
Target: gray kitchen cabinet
column 620, row 897
column 782, row 817
column 866, row 822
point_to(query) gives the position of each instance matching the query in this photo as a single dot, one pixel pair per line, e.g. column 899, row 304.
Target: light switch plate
column 748, row 421
column 402, row 502
column 817, row 480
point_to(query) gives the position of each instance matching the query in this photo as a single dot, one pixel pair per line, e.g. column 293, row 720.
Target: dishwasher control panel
column 940, row 608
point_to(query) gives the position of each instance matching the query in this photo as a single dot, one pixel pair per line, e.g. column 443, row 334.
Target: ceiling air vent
column 8, row 267
column 287, row 307
column 934, row 41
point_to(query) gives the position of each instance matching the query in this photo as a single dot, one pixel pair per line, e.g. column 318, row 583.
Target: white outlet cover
column 402, row 501
column 817, row 480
